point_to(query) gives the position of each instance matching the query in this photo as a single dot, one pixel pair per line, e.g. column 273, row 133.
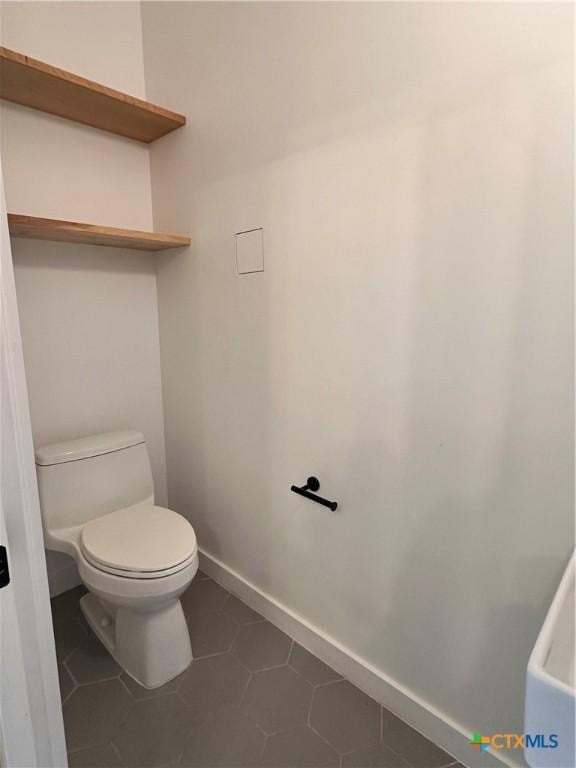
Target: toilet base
column 153, row 647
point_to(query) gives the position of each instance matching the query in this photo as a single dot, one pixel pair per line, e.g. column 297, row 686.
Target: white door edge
column 31, row 726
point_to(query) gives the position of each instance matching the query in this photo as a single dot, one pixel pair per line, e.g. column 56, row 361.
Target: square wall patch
column 250, row 251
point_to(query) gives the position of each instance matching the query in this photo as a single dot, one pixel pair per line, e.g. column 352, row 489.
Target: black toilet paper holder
column 313, row 484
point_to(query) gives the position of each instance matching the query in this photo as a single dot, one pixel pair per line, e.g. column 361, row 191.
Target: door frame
column 31, row 724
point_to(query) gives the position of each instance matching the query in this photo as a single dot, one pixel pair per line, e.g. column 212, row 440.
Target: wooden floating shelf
column 33, row 83
column 90, row 234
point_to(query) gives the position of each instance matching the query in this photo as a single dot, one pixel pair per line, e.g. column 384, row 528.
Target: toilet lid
column 139, row 539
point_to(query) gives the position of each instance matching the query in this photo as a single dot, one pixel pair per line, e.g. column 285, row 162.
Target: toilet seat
column 139, row 542
column 126, row 574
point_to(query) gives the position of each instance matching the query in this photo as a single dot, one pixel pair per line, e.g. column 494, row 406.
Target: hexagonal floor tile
column 299, row 748
column 102, row 757
column 411, row 745
column 377, row 756
column 154, row 733
column 239, row 611
column 91, row 662
column 211, row 633
column 226, row 738
column 345, row 716
column 277, row 699
column 214, row 683
column 93, row 713
column 310, row 667
column 203, row 595
column 261, row 646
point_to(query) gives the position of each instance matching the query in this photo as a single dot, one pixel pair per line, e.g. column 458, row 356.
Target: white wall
column 57, row 168
column 410, row 342
column 88, row 315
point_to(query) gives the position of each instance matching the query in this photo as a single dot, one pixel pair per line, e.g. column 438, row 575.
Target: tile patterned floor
column 252, row 698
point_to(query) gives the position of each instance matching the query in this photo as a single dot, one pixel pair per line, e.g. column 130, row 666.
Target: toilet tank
column 82, row 479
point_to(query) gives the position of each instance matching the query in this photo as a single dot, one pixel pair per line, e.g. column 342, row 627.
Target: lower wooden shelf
column 90, row 234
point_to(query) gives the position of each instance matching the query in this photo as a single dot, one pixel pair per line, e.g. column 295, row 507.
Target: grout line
column 244, row 691
column 117, row 752
column 282, row 730
column 258, row 726
column 266, row 669
column 209, row 655
column 309, row 713
column 127, row 689
column 401, row 756
column 325, row 740
column 264, row 741
column 333, row 682
column 242, row 664
column 65, row 665
column 248, row 623
column 100, row 680
column 241, row 624
column 300, row 674
column 65, row 699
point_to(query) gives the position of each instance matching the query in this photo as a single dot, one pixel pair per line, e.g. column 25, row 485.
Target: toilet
column 134, row 557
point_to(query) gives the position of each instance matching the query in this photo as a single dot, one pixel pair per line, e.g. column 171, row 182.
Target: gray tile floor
column 252, row 698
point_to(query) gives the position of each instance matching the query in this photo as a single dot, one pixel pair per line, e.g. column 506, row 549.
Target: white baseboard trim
column 63, row 579
column 442, row 730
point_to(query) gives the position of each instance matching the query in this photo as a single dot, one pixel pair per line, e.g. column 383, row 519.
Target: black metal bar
column 4, row 570
column 313, row 484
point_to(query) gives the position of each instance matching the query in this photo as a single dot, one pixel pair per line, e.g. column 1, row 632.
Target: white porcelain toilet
column 135, row 558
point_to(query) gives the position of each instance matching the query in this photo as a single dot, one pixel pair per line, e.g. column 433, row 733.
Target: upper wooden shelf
column 90, row 234
column 41, row 86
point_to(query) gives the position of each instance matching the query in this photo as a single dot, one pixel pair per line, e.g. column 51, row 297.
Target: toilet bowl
column 134, row 557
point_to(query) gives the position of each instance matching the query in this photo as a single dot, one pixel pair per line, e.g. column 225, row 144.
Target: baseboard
column 63, row 579
column 442, row 730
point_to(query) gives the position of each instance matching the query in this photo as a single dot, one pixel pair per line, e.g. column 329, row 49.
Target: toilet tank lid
column 87, row 447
